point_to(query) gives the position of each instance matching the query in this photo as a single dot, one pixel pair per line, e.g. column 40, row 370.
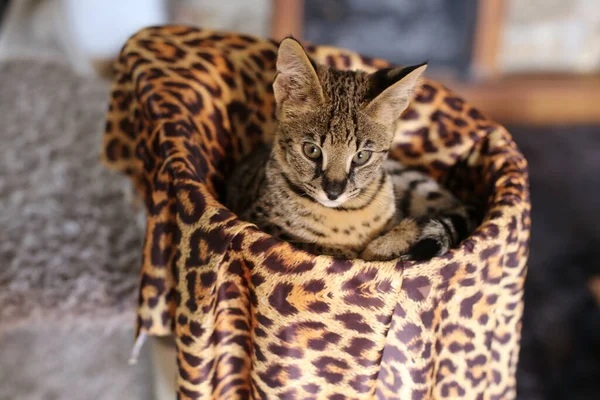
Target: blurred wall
column 247, row 16
column 402, row 31
column 91, row 32
column 551, row 35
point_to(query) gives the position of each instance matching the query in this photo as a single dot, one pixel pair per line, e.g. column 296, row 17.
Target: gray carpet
column 69, row 243
column 50, row 363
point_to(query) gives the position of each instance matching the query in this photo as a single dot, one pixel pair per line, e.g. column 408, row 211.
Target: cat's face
column 335, row 127
column 331, row 157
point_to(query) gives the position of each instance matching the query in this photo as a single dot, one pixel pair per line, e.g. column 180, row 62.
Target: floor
column 69, row 261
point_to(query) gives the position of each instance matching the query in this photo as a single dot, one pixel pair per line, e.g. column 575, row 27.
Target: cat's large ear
column 391, row 91
column 296, row 82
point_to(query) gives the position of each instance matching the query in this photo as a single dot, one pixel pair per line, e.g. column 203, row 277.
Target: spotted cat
column 326, row 184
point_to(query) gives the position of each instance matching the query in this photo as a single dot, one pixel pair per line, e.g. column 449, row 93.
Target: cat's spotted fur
column 325, row 199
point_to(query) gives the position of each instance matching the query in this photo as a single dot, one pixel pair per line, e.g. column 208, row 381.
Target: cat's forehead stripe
column 343, row 94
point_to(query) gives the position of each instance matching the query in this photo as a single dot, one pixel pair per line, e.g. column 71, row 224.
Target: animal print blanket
column 254, row 317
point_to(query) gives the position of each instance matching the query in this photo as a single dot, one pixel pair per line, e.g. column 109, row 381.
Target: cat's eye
column 311, row 151
column 361, row 157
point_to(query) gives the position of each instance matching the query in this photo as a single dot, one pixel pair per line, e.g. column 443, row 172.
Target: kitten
column 326, row 184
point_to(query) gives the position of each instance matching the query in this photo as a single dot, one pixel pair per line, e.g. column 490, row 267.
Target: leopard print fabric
column 253, row 317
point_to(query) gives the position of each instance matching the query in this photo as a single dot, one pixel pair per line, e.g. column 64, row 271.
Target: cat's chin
column 330, row 203
column 325, row 202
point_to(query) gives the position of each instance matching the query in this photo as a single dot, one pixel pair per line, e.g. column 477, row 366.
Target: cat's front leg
column 394, row 243
column 415, row 239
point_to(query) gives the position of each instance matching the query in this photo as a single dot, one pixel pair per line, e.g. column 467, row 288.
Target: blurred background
column 69, row 246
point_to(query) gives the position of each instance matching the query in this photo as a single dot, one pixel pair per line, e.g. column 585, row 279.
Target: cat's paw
column 433, row 241
column 392, row 244
column 378, row 250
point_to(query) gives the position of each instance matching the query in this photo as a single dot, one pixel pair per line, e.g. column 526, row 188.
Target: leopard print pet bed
column 253, row 317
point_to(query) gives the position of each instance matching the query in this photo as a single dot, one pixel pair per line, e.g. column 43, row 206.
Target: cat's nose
column 334, row 189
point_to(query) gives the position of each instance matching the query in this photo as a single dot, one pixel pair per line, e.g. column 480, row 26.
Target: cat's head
column 335, row 127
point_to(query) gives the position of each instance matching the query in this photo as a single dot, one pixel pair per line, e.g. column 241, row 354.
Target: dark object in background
column 3, row 8
column 401, row 31
column 560, row 348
